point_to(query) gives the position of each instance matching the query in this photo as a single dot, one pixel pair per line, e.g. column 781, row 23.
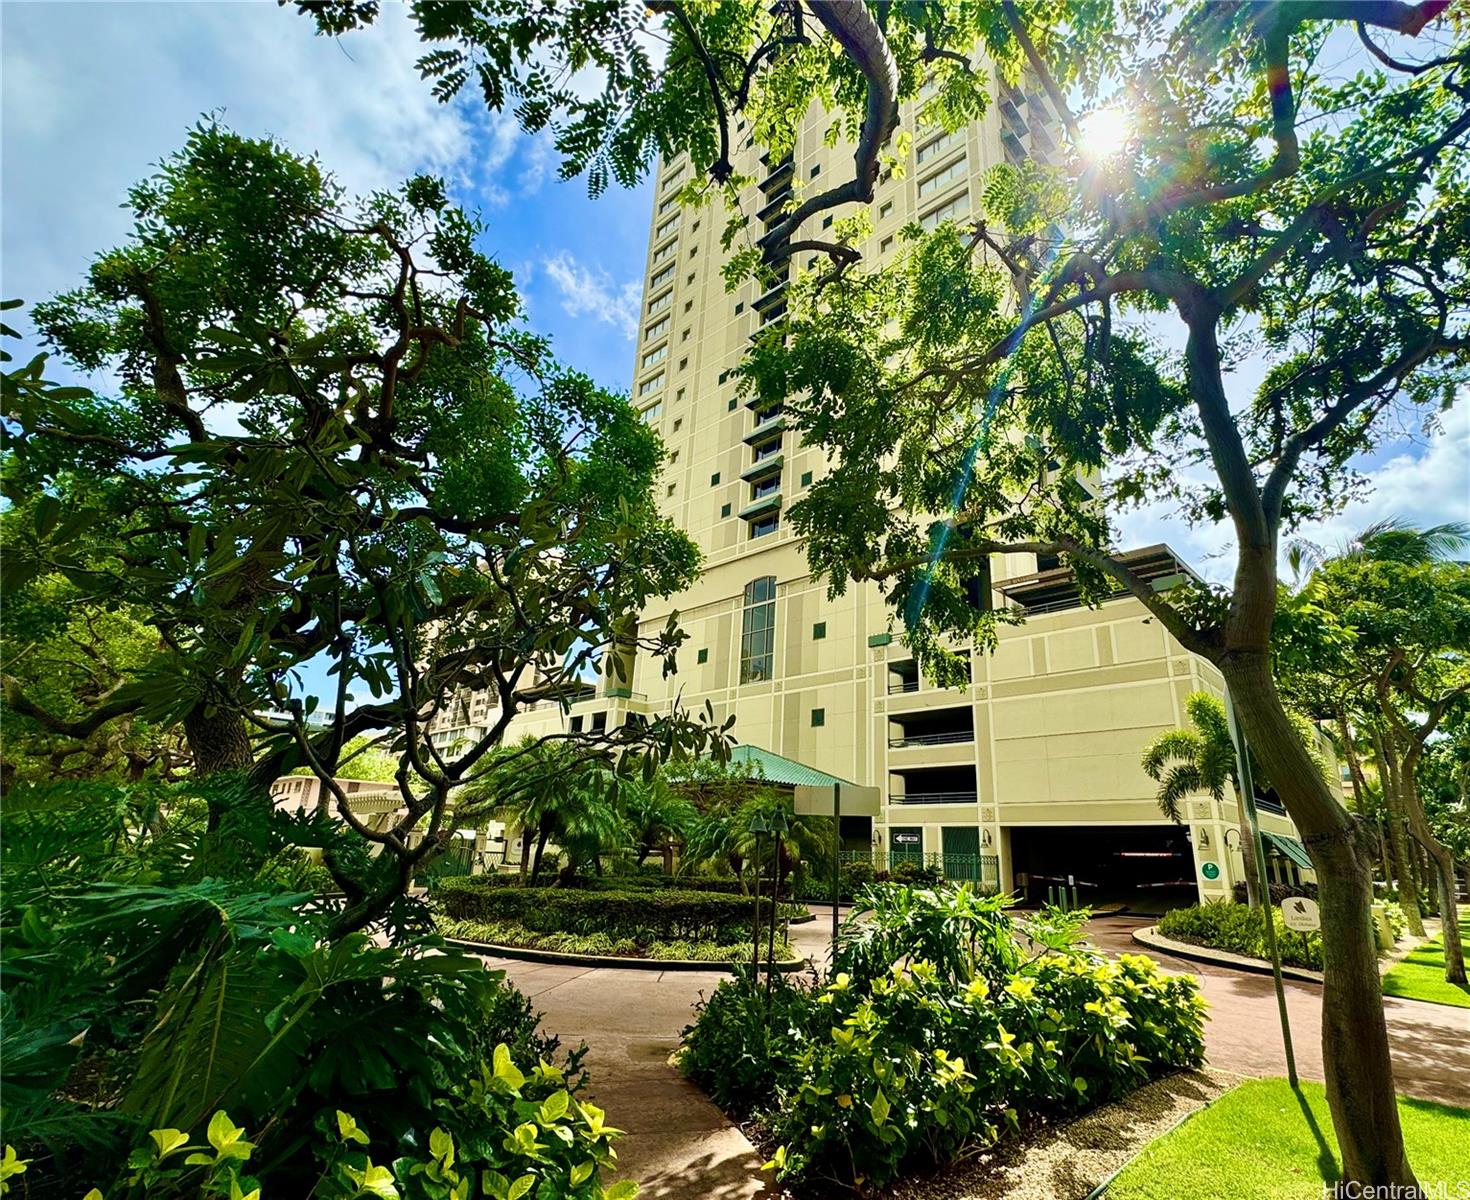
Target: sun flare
column 1105, row 132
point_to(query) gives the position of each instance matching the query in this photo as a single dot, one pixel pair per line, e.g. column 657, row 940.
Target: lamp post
column 779, row 826
column 758, row 826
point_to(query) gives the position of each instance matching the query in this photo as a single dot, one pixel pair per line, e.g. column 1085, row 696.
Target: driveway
column 681, row 1147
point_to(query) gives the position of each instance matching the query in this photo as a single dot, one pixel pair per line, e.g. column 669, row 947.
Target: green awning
column 775, row 768
column 1290, row 847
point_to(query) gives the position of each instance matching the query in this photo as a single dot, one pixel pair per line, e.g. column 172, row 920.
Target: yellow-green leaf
column 349, row 1130
column 520, row 1187
column 168, row 1140
column 505, row 1069
column 879, row 1108
column 582, row 1171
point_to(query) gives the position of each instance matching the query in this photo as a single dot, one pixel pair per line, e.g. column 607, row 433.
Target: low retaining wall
column 621, row 962
column 1154, row 940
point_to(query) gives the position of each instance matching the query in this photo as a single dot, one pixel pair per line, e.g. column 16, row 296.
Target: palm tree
column 1202, row 759
column 653, row 815
column 550, row 795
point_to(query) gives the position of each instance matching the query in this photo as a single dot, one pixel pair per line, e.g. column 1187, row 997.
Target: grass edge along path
column 1420, row 974
column 1261, row 1141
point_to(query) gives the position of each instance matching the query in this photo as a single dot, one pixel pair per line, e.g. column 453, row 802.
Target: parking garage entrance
column 1143, row 866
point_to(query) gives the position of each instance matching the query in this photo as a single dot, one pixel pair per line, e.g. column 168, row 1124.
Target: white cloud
column 591, row 293
column 1423, row 483
column 95, row 94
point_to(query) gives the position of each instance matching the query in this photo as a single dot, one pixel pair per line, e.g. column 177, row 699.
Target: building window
column 671, row 489
column 678, row 425
column 724, row 375
column 740, row 308
column 654, row 357
column 683, row 364
column 886, row 245
column 659, row 302
column 714, row 479
column 806, row 479
column 684, row 337
column 662, row 277
column 764, row 526
column 819, row 631
column 702, row 656
column 816, row 170
column 652, row 412
column 664, row 251
column 657, row 329
column 819, row 717
column 827, row 221
column 758, row 630
column 690, row 279
column 667, row 227
column 688, row 305
column 931, row 151
column 724, row 510
column 766, row 487
column 651, row 385
column 732, row 403
column 958, row 207
column 886, row 211
column 927, row 187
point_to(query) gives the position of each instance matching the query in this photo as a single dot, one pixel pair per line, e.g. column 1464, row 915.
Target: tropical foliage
column 933, row 1035
column 969, row 388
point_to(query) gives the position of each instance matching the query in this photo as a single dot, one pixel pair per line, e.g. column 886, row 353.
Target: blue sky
column 93, row 94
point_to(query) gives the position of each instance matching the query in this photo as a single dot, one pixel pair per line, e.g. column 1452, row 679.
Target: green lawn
column 1421, row 975
column 1261, row 1141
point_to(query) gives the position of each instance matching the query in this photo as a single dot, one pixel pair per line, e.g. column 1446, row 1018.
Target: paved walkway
column 681, row 1147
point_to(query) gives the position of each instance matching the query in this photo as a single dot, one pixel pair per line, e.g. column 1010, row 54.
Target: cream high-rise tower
column 1034, row 767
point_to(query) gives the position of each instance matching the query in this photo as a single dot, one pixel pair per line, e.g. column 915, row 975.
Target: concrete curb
column 1101, row 1189
column 558, row 958
column 1155, row 940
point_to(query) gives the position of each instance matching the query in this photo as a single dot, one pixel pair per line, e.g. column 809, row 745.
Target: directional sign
column 1301, row 914
column 1210, row 870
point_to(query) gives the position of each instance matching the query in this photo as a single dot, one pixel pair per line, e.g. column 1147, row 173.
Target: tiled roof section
column 774, row 768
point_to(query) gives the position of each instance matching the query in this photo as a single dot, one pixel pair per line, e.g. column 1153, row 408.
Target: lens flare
column 1104, row 133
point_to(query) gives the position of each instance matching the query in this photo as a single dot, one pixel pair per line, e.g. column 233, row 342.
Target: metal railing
column 983, row 869
column 932, row 739
column 905, row 685
column 935, row 798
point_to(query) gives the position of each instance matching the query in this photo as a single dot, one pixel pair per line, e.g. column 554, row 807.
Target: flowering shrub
column 935, row 1034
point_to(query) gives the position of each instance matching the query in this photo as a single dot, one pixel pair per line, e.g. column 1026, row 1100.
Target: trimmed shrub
column 1279, row 891
column 510, row 933
column 1221, row 925
column 643, row 914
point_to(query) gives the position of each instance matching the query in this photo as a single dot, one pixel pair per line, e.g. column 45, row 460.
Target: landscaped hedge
column 1221, row 925
column 644, row 914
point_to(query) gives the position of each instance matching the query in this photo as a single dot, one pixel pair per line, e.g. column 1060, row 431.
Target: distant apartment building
column 1033, row 766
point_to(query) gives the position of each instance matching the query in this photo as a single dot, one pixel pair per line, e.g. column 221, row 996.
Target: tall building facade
column 1034, row 765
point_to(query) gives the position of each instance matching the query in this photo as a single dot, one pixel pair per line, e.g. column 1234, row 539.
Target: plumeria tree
column 326, row 438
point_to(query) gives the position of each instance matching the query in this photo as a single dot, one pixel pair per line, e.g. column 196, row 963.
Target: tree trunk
column 1408, row 886
column 218, row 740
column 1355, row 1051
column 1442, row 861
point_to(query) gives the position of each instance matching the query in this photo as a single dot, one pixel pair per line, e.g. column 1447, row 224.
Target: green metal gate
column 961, row 844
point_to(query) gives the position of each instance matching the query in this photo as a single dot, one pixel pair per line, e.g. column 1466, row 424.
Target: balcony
column 935, row 798
column 763, row 507
column 763, row 468
column 773, row 208
column 779, row 174
column 932, row 739
column 773, row 427
column 771, row 298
